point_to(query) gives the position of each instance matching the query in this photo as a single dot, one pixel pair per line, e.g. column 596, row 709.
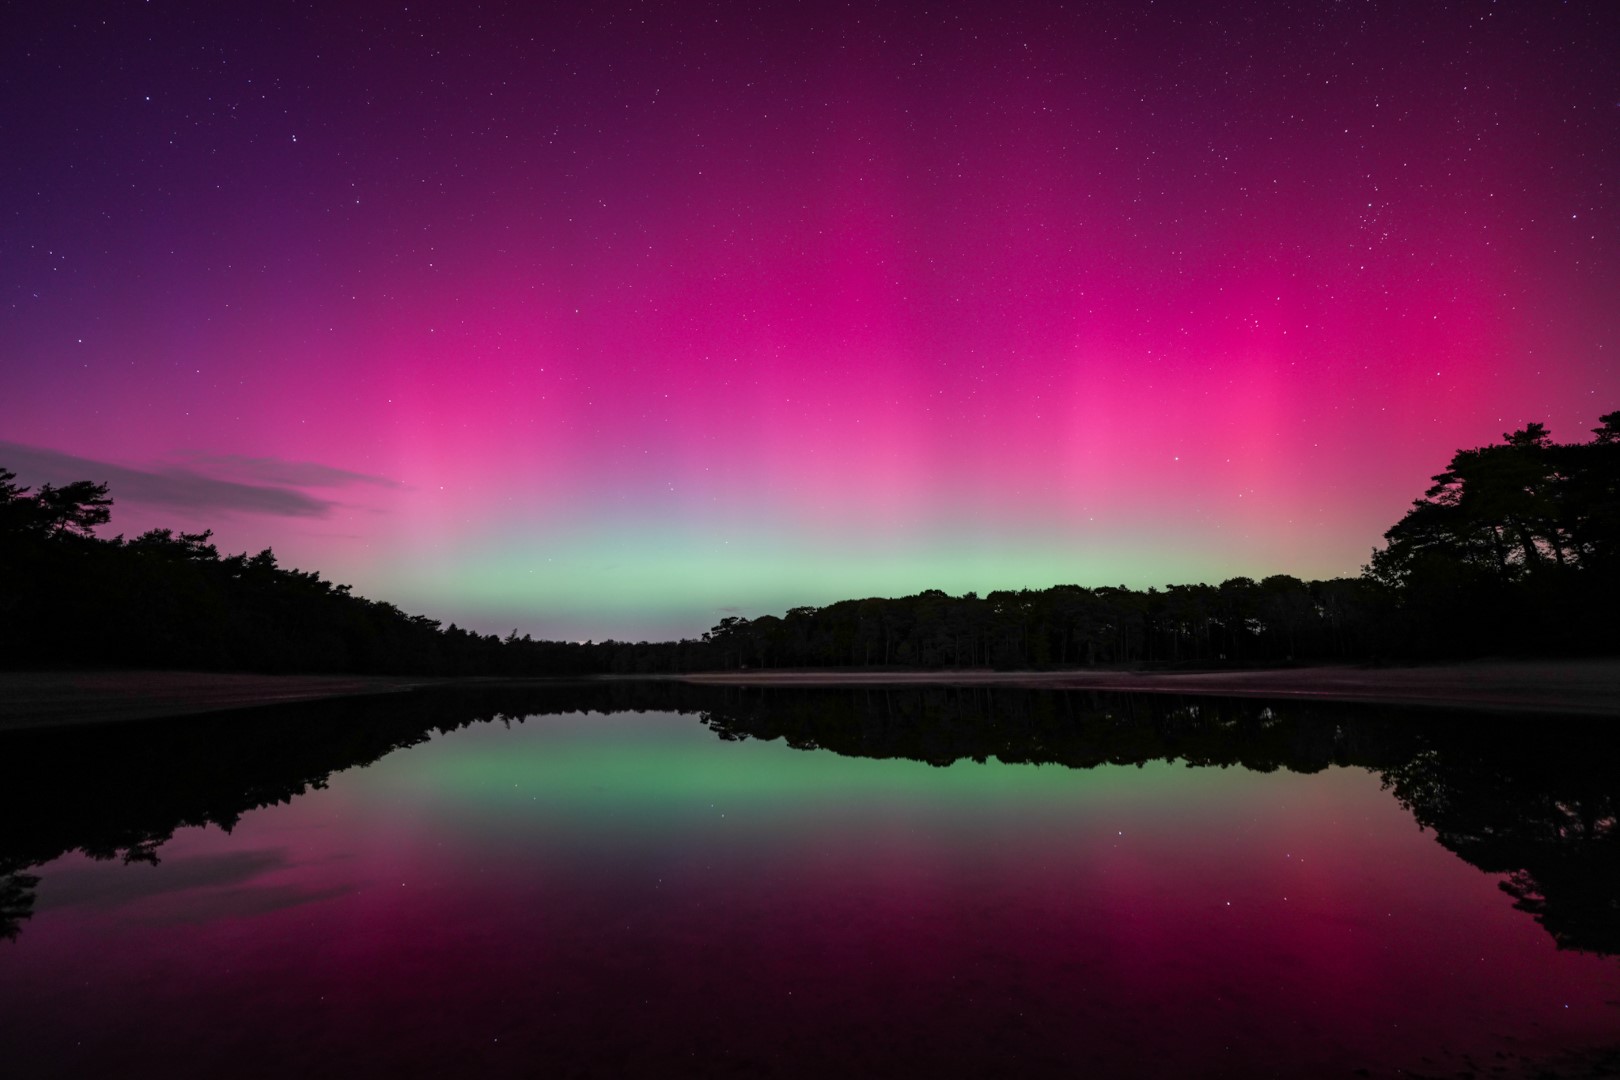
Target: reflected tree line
column 1536, row 803
column 119, row 791
column 1514, row 549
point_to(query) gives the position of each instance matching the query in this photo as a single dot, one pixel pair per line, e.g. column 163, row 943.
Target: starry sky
column 614, row 319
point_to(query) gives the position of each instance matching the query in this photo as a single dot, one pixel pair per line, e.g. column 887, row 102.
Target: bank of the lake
column 36, row 699
column 42, row 699
column 1584, row 687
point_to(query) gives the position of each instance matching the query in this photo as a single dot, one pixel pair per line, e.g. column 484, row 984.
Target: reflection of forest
column 1531, row 800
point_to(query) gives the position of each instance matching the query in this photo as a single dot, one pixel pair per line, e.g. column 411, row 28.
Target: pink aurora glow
column 770, row 313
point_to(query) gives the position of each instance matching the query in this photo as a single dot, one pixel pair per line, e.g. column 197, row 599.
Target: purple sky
column 608, row 322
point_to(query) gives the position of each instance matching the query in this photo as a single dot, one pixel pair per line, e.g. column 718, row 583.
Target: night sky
column 611, row 320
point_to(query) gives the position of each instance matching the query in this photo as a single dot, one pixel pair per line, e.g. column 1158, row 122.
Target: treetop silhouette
column 1514, row 547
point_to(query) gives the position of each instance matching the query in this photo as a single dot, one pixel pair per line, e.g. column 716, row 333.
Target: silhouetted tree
column 74, row 510
column 16, row 903
column 1514, row 546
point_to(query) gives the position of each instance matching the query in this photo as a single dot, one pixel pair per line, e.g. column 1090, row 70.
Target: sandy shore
column 1590, row 687
column 32, row 699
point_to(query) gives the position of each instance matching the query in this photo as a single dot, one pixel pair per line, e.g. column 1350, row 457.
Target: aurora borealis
column 611, row 321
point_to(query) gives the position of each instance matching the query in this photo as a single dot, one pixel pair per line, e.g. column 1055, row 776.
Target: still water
column 1119, row 887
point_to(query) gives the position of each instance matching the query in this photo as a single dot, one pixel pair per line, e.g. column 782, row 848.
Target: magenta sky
column 612, row 323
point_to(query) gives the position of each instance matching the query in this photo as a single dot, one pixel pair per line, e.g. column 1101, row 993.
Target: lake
column 652, row 879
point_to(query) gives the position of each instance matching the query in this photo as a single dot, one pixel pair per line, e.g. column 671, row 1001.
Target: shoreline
column 1588, row 687
column 34, row 700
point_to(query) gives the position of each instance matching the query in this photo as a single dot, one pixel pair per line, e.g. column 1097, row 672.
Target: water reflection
column 1544, row 818
column 1530, row 799
column 631, row 879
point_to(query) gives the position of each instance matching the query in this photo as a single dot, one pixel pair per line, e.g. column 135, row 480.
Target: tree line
column 1515, row 548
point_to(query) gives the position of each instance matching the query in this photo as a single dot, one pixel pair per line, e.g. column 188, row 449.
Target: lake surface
column 811, row 883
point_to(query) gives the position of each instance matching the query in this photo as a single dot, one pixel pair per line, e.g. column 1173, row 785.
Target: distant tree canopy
column 1514, row 549
column 1240, row 621
column 166, row 599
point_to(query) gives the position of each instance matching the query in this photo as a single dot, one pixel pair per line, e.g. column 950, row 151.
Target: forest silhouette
column 1514, row 550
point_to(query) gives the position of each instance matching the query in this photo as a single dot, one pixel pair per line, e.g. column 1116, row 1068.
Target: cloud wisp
column 278, row 471
column 177, row 486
